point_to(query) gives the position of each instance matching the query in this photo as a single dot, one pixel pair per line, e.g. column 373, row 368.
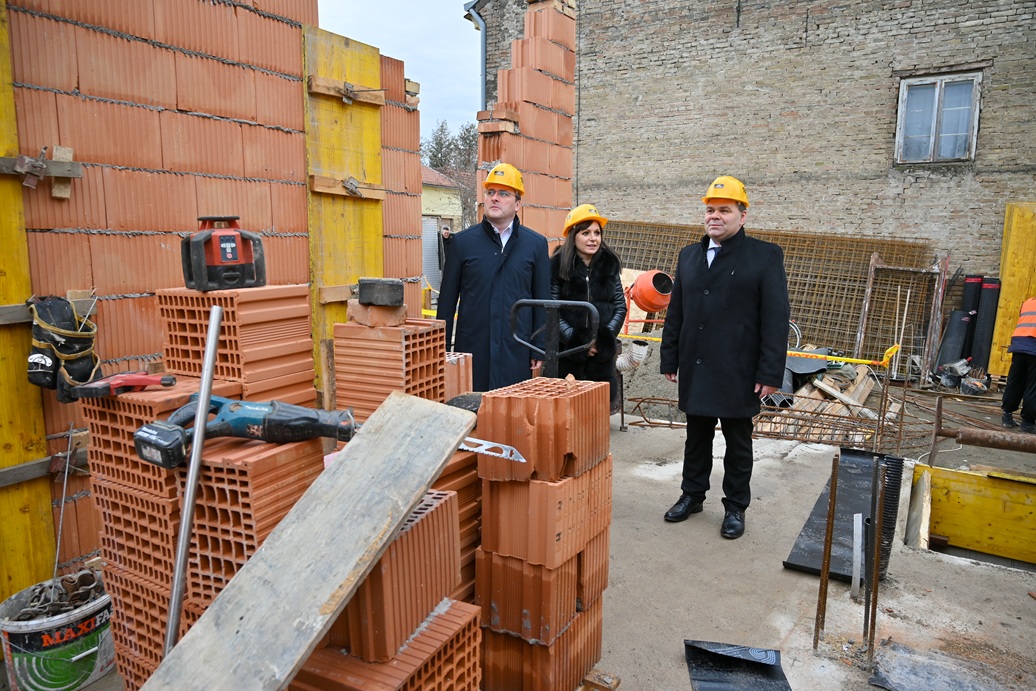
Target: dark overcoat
column 600, row 284
column 726, row 327
column 487, row 279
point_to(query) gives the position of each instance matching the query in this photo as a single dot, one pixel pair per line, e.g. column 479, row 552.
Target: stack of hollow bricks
column 246, row 487
column 531, row 125
column 543, row 563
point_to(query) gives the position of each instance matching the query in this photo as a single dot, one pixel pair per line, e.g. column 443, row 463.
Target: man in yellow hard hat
column 724, row 344
column 490, row 266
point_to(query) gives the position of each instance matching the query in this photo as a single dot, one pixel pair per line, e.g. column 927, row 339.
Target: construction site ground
column 674, row 582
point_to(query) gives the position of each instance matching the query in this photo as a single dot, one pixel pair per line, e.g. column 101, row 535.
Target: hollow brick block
column 458, row 375
column 259, row 326
column 546, row 523
column 420, row 567
column 534, row 602
column 245, row 488
column 112, row 421
column 559, row 426
column 372, row 362
column 547, row 22
column 443, row 654
column 509, row 662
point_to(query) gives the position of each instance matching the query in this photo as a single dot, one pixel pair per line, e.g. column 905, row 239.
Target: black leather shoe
column 733, row 525
column 1008, row 420
column 683, row 508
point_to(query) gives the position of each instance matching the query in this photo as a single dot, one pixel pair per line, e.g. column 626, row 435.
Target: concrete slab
column 671, row 582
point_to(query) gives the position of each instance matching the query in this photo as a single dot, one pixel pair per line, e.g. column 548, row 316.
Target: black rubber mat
column 855, row 478
column 986, row 322
column 726, row 667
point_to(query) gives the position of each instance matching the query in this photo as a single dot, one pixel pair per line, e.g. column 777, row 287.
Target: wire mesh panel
column 827, row 281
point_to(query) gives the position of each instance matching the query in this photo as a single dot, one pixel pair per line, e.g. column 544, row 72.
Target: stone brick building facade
column 800, row 100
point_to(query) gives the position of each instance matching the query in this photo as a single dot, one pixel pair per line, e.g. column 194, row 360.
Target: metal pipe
column 472, row 14
column 825, row 567
column 201, row 416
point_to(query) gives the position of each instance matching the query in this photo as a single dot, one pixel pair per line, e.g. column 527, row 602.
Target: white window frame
column 939, row 81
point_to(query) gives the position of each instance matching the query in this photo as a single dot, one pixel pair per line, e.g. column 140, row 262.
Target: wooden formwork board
column 1017, row 280
column 26, row 523
column 985, row 511
column 343, row 142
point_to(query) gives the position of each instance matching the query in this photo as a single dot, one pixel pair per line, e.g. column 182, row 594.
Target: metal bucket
column 66, row 651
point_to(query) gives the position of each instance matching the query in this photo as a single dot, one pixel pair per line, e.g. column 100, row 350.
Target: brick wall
column 799, row 100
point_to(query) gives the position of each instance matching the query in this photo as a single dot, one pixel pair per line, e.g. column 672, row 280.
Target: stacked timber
column 832, row 407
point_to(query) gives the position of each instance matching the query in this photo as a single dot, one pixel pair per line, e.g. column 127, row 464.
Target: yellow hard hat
column 583, row 212
column 507, row 175
column 727, row 187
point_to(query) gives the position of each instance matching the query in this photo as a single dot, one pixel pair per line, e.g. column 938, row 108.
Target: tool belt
column 62, row 354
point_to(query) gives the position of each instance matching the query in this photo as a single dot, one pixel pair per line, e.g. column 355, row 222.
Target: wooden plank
column 986, row 514
column 600, row 681
column 258, row 632
column 61, row 188
column 40, row 467
column 920, row 511
column 26, row 519
column 345, row 91
column 854, row 407
column 329, row 294
column 1016, row 475
column 19, row 314
column 349, row 187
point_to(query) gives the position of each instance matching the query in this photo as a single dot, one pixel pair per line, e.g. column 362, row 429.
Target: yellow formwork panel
column 27, row 540
column 1017, row 279
column 973, row 510
column 343, row 141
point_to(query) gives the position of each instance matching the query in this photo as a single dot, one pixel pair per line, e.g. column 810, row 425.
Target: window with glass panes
column 938, row 118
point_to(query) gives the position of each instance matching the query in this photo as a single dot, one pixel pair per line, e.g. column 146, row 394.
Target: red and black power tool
column 165, row 443
column 221, row 256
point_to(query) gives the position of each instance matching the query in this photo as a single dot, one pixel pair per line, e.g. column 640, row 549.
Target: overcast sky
column 440, row 50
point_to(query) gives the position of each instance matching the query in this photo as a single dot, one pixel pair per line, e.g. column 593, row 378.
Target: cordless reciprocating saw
column 165, row 443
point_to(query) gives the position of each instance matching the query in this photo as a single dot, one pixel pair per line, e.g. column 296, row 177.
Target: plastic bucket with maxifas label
column 66, row 651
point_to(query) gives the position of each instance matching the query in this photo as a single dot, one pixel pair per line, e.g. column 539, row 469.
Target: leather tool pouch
column 62, row 354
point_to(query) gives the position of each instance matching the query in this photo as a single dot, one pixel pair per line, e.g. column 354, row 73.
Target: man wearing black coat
column 490, row 266
column 724, row 342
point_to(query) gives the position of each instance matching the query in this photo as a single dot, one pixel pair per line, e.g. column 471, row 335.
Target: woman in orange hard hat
column 585, row 269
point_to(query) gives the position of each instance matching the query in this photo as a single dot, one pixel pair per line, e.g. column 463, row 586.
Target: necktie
column 713, row 251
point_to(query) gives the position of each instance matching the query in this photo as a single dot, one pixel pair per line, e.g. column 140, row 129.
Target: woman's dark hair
column 568, row 248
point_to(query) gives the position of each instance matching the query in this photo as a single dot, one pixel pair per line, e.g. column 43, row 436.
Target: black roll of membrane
column 953, row 337
column 986, row 322
column 969, row 303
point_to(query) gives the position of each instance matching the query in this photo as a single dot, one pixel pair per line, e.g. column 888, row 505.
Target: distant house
column 440, row 209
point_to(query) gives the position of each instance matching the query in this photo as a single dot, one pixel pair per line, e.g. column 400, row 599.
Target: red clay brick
column 458, row 375
column 420, row 567
column 534, row 602
column 113, row 67
column 259, row 326
column 43, row 52
column 509, row 662
column 208, row 86
column 443, row 654
column 559, row 426
column 546, row 523
column 371, row 362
